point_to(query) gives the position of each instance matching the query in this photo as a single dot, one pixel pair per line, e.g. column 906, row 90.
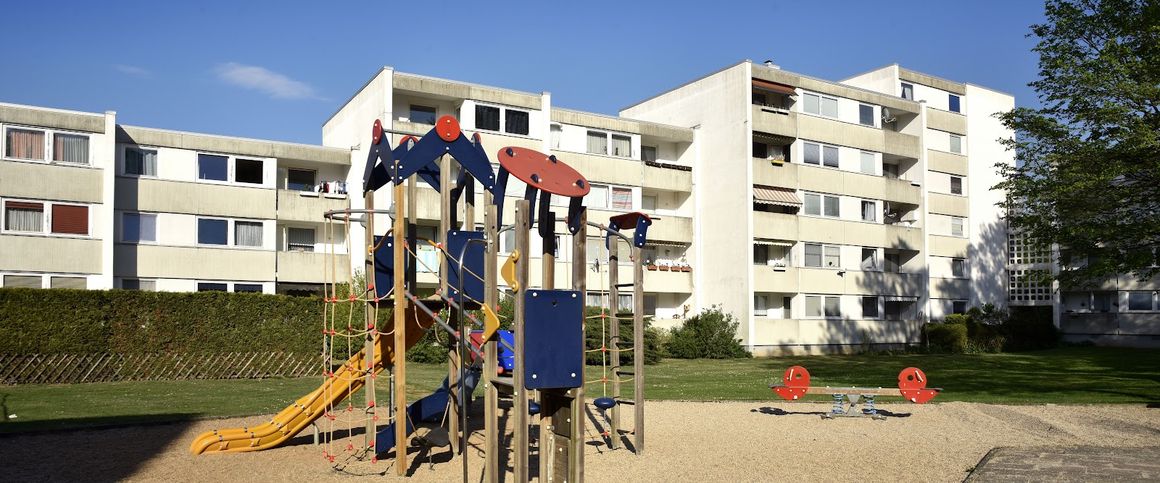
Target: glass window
column 24, row 216
column 211, row 287
column 75, row 283
column 760, row 305
column 869, row 163
column 597, row 142
column 70, row 219
column 959, row 307
column 813, row 204
column 248, row 171
column 648, row 153
column 621, row 146
column 212, row 232
column 248, row 287
column 648, row 202
column 830, row 156
column 829, row 107
column 953, row 103
column 141, row 162
column 893, row 262
column 138, row 284
column 622, row 198
column 813, row 255
column 212, row 167
column 956, row 185
column 248, row 233
column 869, row 307
column 813, row 306
column 833, row 307
column 759, row 99
column 956, row 226
column 70, row 148
column 300, row 239
column 866, row 115
column 23, row 281
column 1139, row 300
column 556, row 131
column 760, row 150
column 760, row 254
column 24, row 144
column 958, row 267
column 300, row 179
column 869, row 211
column 487, row 118
column 956, row 144
column 831, row 206
column 869, row 259
column 833, row 256
column 597, row 197
column 515, row 122
column 907, row 91
column 812, row 103
column 811, row 153
column 138, row 227
column 422, row 114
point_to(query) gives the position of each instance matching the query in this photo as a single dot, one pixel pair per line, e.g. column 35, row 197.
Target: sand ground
column 685, row 441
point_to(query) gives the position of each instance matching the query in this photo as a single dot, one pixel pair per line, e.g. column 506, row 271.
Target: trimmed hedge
column 950, row 336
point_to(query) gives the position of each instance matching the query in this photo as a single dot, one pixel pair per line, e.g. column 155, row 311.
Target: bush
column 1031, row 328
column 947, row 337
column 711, row 334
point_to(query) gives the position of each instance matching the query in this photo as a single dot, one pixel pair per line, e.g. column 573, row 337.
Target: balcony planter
column 651, row 267
column 664, row 268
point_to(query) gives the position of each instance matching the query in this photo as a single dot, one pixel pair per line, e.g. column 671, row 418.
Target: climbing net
column 608, row 311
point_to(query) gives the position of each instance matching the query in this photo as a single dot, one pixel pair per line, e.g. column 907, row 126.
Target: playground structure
column 846, row 400
column 544, row 368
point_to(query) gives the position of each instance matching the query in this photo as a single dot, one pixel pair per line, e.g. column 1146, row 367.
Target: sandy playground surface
column 685, row 441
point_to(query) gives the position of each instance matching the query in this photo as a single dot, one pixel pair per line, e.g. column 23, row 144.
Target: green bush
column 947, row 337
column 1031, row 328
column 711, row 334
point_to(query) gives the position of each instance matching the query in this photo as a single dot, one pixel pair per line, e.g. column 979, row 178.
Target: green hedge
column 711, row 334
column 950, row 336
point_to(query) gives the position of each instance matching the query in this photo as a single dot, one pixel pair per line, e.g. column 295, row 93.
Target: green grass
column 1072, row 375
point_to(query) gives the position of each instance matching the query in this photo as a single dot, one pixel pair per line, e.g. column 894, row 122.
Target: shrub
column 947, row 337
column 711, row 334
column 1031, row 328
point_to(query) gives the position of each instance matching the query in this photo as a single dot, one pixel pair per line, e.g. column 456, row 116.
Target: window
column 300, row 239
column 953, row 103
column 958, row 267
column 819, row 306
column 211, row 287
column 869, row 163
column 212, row 167
column 830, row 207
column 248, row 233
column 869, row 259
column 833, row 256
column 890, row 171
column 300, row 179
column 818, row 255
column 212, row 231
column 138, row 284
column 869, row 210
column 866, row 115
column 869, row 307
column 821, row 105
column 23, row 281
column 830, row 156
column 1103, row 301
column 760, row 305
column 759, row 99
column 70, row 219
column 486, row 118
column 956, row 185
column 597, row 197
column 648, row 202
column 959, row 307
column 957, row 226
column 813, row 255
column 507, row 241
column 248, row 171
column 24, row 216
column 75, row 283
column 893, row 262
column 70, row 148
column 821, row 205
column 956, row 144
column 138, row 227
column 1139, row 300
column 515, row 122
column 556, row 131
column 648, row 153
column 621, row 146
column 760, row 150
column 597, row 142
column 422, row 114
column 248, row 287
column 622, row 198
column 907, row 91
column 811, row 153
column 140, row 162
column 24, row 144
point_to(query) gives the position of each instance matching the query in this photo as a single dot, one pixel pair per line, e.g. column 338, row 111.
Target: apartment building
column 865, row 206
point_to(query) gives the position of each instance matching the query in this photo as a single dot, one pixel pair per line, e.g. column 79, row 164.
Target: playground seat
column 604, row 402
column 533, row 408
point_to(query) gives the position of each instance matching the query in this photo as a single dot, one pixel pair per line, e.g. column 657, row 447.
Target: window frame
column 228, row 233
column 903, row 89
column 411, row 113
column 962, row 225
column 1151, row 301
column 873, row 121
column 955, row 306
column 951, row 142
column 46, row 214
column 296, row 247
column 954, row 103
column 124, row 165
column 498, row 118
column 231, row 170
column 311, row 187
column 960, row 187
column 877, row 312
column 875, row 265
column 822, row 199
column 959, row 267
column 873, row 211
column 822, row 300
column 502, row 124
column 138, row 241
column 825, row 252
column 821, row 102
column 48, row 146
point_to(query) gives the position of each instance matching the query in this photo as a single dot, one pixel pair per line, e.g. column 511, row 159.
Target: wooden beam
column 491, row 429
column 519, row 392
column 402, row 441
column 614, row 337
column 638, row 349
column 579, row 284
column 369, row 316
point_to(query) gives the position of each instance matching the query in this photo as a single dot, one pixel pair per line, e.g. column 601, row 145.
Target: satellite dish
column 886, row 115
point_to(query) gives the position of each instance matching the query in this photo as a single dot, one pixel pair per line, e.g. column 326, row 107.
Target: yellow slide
column 286, row 424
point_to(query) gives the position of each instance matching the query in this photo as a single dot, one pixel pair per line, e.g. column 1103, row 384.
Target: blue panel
column 385, row 265
column 473, row 264
column 553, row 339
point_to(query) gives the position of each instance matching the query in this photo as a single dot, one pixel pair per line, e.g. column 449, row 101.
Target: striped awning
column 772, row 139
column 773, row 243
column 772, row 195
column 666, row 243
column 774, row 87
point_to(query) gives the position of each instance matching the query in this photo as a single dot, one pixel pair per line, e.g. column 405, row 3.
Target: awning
column 665, row 243
column 772, row 139
column 770, row 195
column 773, row 243
column 774, row 87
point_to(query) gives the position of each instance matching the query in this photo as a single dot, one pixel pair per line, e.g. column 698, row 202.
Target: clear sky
column 278, row 70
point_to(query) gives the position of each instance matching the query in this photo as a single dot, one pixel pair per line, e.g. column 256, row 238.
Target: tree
column 1088, row 162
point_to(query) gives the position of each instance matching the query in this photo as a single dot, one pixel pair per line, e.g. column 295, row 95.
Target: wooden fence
column 75, row 368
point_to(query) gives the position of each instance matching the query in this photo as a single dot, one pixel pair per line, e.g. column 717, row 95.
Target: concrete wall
column 988, row 231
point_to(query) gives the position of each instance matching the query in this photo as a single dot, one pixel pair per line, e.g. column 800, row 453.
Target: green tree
column 1088, row 161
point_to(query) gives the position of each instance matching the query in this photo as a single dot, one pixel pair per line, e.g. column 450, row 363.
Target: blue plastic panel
column 385, row 265
column 473, row 264
column 553, row 339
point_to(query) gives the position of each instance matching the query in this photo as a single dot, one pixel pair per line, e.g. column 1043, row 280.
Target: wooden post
column 549, row 398
column 369, row 316
column 445, row 215
column 614, row 339
column 519, row 394
column 402, row 442
column 491, row 429
column 579, row 284
column 638, row 349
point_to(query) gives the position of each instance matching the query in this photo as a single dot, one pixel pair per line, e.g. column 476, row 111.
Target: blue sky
column 278, row 70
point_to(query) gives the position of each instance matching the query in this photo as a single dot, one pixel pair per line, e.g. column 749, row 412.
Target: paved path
column 1075, row 463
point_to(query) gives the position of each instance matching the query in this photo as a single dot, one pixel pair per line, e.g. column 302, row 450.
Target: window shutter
column 70, row 219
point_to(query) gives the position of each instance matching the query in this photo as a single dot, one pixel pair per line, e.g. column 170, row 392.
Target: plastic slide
column 429, row 409
column 290, row 421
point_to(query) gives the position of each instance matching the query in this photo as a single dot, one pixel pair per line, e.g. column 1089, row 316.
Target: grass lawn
column 1073, row 375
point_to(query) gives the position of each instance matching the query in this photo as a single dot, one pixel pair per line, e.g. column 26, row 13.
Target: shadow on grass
column 13, row 428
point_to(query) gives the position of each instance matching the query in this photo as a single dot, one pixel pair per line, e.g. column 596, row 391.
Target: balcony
column 827, row 336
column 51, row 181
column 814, row 178
column 945, row 162
column 50, row 254
column 308, row 205
column 946, row 121
column 767, row 173
column 899, row 144
column 770, row 121
column 157, row 261
column 948, row 246
column 948, row 204
column 902, row 236
column 165, row 196
column 775, row 279
column 775, row 226
column 626, row 171
column 310, row 267
column 667, row 282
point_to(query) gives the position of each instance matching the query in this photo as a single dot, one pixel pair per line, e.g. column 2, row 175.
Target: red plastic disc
column 797, row 382
column 911, row 378
column 447, row 127
column 543, row 172
column 377, row 132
